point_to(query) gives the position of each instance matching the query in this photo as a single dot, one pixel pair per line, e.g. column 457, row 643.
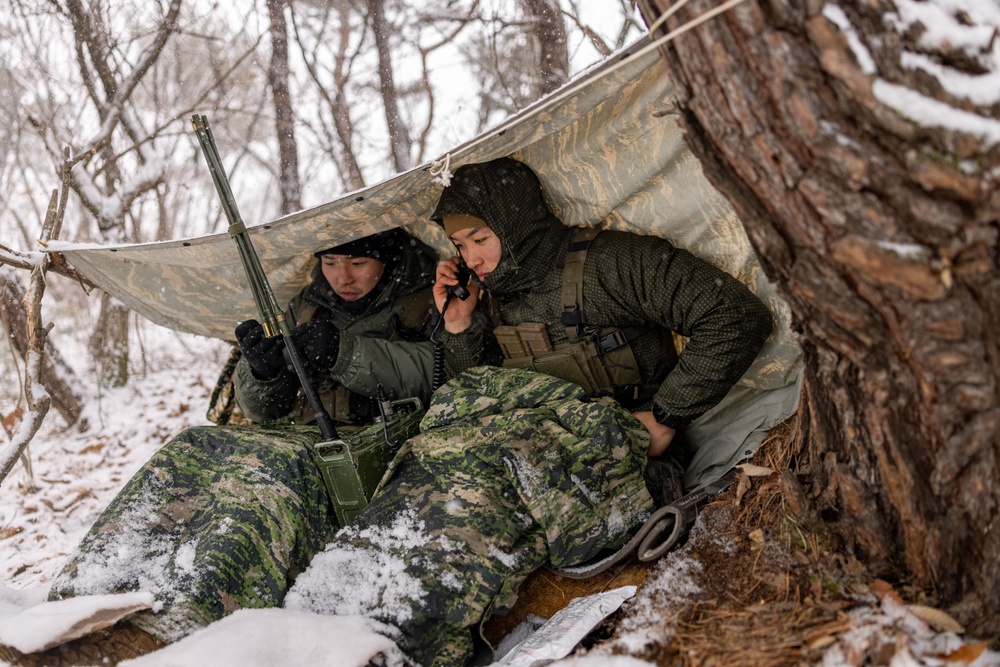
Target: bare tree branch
column 342, row 148
column 35, row 395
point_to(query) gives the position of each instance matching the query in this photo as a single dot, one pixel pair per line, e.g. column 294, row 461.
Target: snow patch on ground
column 267, row 637
column 76, row 474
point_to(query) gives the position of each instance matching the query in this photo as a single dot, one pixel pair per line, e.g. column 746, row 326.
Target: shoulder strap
column 572, row 288
column 623, row 371
column 417, row 309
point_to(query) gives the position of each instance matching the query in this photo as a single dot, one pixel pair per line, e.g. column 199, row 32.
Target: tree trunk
column 109, row 343
column 55, row 375
column 550, row 35
column 882, row 236
column 399, row 141
column 284, row 116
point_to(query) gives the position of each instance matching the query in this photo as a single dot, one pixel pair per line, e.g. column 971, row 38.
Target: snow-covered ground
column 75, row 474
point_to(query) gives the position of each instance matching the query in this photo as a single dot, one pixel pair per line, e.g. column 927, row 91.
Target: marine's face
column 351, row 278
column 480, row 248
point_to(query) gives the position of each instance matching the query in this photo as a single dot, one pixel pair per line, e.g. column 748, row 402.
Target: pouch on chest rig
column 598, row 359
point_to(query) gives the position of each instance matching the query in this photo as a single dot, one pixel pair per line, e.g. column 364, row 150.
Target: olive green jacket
column 387, row 344
column 629, row 280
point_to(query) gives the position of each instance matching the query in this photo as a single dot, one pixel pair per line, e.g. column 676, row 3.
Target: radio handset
column 464, row 274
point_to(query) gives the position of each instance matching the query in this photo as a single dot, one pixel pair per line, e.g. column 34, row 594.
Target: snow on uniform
column 223, row 518
column 219, row 519
column 512, row 470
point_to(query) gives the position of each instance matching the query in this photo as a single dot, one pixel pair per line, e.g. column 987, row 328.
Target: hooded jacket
column 376, row 347
column 629, row 280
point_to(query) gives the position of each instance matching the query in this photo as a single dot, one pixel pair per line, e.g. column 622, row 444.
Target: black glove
column 319, row 343
column 262, row 353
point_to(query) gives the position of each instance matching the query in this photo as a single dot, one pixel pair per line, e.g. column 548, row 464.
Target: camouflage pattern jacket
column 629, row 280
column 387, row 344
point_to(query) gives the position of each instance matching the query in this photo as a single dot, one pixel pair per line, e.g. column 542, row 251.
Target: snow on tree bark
column 880, row 228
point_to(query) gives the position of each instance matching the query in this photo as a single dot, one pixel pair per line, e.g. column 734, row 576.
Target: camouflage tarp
column 608, row 154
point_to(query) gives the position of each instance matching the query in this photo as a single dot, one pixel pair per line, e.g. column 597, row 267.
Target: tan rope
column 712, row 13
column 666, row 15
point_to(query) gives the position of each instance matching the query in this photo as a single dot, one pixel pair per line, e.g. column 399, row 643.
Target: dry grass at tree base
column 773, row 588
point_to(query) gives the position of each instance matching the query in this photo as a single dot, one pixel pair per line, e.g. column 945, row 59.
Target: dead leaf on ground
column 11, row 421
column 967, row 654
column 936, row 618
column 741, row 488
column 93, row 449
column 10, row 532
column 821, row 642
column 181, row 409
column 881, row 589
column 751, row 470
column 65, row 502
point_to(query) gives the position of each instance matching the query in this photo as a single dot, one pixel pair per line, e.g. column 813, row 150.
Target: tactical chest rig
column 599, row 359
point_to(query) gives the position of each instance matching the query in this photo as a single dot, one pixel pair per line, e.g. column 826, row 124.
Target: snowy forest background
column 308, row 100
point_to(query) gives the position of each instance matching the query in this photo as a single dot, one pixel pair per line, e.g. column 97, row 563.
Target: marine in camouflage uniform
column 512, row 470
column 628, row 281
column 223, row 518
column 383, row 338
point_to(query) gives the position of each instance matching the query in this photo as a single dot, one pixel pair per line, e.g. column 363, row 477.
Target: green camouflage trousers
column 220, row 518
column 512, row 470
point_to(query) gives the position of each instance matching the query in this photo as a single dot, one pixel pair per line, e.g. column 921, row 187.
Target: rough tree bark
column 284, row 116
column 882, row 235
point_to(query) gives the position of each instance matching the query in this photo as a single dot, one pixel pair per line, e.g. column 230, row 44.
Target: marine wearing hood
column 507, row 196
column 629, row 280
column 409, row 267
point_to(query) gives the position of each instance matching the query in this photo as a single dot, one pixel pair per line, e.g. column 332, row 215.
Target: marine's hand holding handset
column 463, row 275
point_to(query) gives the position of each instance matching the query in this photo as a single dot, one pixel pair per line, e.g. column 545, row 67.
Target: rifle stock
column 271, row 315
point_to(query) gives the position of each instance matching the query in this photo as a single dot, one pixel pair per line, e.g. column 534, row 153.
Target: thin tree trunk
column 341, row 109
column 550, row 35
column 37, row 402
column 399, row 141
column 882, row 237
column 284, row 116
column 109, row 342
